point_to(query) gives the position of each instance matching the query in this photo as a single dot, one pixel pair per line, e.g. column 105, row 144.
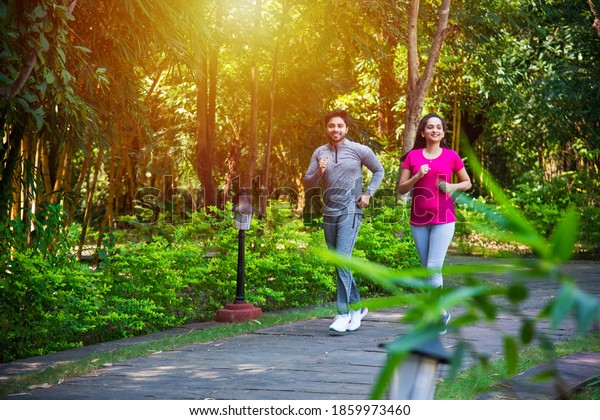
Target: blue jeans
column 432, row 242
column 340, row 235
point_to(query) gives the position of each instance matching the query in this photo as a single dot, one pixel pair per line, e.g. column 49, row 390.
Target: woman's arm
column 407, row 181
column 463, row 184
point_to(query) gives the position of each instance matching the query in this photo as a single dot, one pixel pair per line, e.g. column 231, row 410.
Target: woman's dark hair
column 338, row 113
column 420, row 142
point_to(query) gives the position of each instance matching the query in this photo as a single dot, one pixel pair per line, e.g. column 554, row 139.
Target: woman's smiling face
column 434, row 130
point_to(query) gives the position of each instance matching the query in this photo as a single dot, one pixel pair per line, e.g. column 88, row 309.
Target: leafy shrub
column 590, row 232
column 545, row 202
column 45, row 307
column 385, row 238
column 282, row 270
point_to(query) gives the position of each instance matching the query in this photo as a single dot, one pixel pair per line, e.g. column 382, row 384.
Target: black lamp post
column 240, row 310
column 415, row 378
column 243, row 219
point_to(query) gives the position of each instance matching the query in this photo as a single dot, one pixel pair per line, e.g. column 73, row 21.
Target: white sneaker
column 445, row 320
column 356, row 317
column 340, row 323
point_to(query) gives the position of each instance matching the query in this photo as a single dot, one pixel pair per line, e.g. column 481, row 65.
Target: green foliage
column 535, row 83
column 46, row 307
column 46, row 234
column 545, row 202
column 385, row 235
column 385, row 238
column 281, row 272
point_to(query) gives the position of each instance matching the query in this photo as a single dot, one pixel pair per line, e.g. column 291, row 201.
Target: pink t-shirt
column 430, row 205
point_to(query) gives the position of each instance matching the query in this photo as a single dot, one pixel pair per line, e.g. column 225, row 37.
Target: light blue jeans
column 432, row 242
column 340, row 235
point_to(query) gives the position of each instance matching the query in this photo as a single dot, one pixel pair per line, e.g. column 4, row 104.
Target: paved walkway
column 298, row 361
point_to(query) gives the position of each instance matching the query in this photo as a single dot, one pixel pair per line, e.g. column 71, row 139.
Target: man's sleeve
column 373, row 164
column 312, row 177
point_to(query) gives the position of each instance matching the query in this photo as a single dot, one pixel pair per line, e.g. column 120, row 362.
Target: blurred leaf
column 392, row 301
column 487, row 307
column 383, row 275
column 409, row 277
column 517, row 292
column 563, row 304
column 44, row 42
column 565, row 236
column 511, row 354
column 546, row 343
column 545, row 375
column 50, row 78
column 24, row 104
column 410, row 341
column 38, row 116
column 527, row 331
column 38, row 12
column 457, row 357
column 385, row 376
column 84, row 49
column 587, row 311
column 455, row 296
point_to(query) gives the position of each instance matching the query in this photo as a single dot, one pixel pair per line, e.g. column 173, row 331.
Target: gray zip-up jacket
column 343, row 178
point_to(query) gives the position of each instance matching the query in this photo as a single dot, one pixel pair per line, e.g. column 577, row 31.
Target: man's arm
column 313, row 176
column 375, row 166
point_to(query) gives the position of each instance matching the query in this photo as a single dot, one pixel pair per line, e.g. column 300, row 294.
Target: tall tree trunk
column 203, row 164
column 388, row 88
column 115, row 174
column 248, row 175
column 29, row 159
column 232, row 163
column 15, row 137
column 45, row 167
column 417, row 85
column 269, row 145
column 594, row 10
column 85, row 166
column 88, row 204
column 205, row 124
column 211, row 120
column 456, row 125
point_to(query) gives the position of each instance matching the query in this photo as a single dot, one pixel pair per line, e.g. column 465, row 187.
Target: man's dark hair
column 338, row 113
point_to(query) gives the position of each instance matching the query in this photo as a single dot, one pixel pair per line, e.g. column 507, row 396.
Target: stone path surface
column 297, row 361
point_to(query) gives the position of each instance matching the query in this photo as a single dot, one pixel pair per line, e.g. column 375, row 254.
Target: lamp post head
column 243, row 212
column 433, row 349
column 415, row 378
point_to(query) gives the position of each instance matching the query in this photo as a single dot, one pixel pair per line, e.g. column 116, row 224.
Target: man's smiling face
column 336, row 130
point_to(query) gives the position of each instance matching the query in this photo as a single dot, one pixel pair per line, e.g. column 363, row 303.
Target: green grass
column 590, row 391
column 55, row 375
column 478, row 379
